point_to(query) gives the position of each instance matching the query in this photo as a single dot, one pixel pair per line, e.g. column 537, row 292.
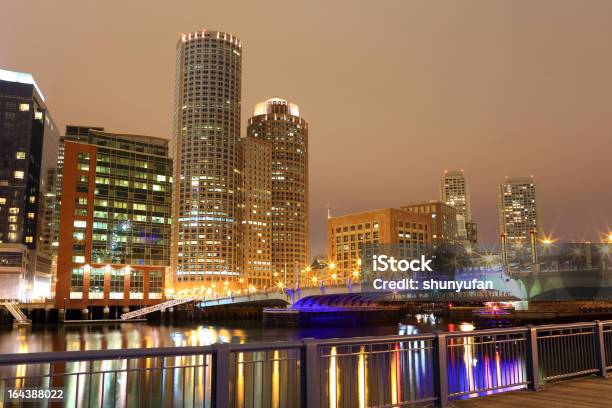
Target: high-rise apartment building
column 454, row 192
column 349, row 235
column 257, row 213
column 206, row 149
column 443, row 220
column 28, row 152
column 115, row 221
column 518, row 210
column 278, row 122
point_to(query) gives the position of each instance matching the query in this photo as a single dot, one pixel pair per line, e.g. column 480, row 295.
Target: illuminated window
column 161, row 178
column 12, row 218
column 38, row 115
column 76, row 281
column 136, row 284
column 12, row 227
column 78, row 259
column 20, row 155
column 24, row 107
column 2, row 200
column 19, row 174
column 80, row 223
column 29, row 239
column 96, row 283
column 83, row 166
column 32, row 199
column 31, row 215
column 117, row 282
column 12, row 236
column 78, row 235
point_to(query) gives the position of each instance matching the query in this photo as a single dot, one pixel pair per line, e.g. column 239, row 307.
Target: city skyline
column 561, row 137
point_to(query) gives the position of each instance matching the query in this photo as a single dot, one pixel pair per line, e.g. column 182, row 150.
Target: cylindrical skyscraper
column 206, row 230
column 279, row 122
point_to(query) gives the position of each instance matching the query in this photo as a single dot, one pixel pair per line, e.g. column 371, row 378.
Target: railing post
column 533, row 364
column 440, row 370
column 310, row 374
column 220, row 372
column 600, row 349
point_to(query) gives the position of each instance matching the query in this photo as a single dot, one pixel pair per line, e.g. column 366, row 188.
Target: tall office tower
column 115, row 221
column 454, row 192
column 518, row 213
column 279, row 122
column 206, row 232
column 257, row 213
column 28, row 151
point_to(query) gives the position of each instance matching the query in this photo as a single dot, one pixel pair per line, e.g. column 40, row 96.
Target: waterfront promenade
column 590, row 392
column 440, row 368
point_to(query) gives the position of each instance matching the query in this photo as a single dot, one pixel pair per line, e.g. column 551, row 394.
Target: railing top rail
column 373, row 339
column 488, row 332
column 559, row 326
column 274, row 345
column 107, row 354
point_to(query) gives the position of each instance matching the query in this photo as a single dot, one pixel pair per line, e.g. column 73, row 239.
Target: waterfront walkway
column 578, row 393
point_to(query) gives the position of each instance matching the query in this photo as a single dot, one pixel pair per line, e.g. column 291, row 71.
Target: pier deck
column 578, row 393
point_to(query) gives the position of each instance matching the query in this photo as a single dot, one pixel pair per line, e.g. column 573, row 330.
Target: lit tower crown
column 206, row 142
column 278, row 122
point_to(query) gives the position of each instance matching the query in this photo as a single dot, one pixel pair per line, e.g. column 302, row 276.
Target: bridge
column 547, row 285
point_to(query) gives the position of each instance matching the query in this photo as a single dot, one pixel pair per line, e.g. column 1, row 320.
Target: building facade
column 443, row 220
column 115, row 221
column 206, row 149
column 28, row 152
column 278, row 122
column 454, row 192
column 349, row 235
column 257, row 213
column 518, row 210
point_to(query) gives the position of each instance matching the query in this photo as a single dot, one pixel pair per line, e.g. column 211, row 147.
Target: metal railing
column 382, row 371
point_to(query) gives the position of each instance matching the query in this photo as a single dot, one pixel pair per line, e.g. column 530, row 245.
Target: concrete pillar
column 60, row 315
column 85, row 314
column 106, row 312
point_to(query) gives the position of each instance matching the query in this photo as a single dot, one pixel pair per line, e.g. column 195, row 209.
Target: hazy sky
column 394, row 91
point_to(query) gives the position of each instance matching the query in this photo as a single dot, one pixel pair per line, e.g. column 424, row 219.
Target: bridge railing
column 364, row 371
